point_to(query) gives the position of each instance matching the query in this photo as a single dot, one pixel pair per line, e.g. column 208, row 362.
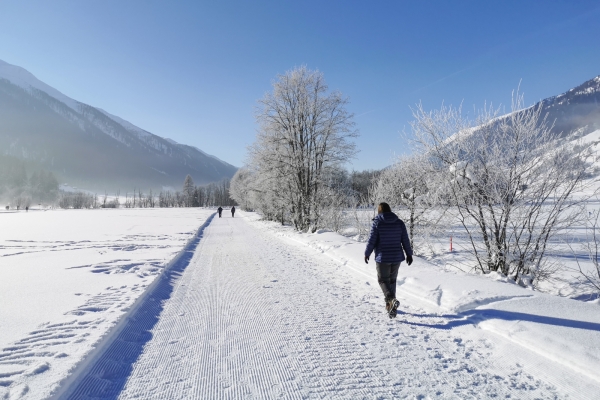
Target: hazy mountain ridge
column 88, row 146
column 578, row 108
column 572, row 114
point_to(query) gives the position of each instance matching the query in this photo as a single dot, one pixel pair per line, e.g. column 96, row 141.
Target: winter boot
column 389, row 303
column 393, row 307
column 388, row 306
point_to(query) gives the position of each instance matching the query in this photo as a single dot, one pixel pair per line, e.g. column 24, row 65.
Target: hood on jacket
column 387, row 217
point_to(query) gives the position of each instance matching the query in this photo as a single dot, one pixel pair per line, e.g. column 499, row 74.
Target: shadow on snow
column 473, row 317
column 107, row 376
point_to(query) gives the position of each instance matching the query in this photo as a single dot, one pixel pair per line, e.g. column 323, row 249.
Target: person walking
column 232, row 211
column 389, row 240
column 220, row 210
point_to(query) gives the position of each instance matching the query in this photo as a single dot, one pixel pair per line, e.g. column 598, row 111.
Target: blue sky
column 194, row 70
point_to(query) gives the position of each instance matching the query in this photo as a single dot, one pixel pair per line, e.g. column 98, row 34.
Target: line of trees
column 20, row 189
column 211, row 195
column 77, row 200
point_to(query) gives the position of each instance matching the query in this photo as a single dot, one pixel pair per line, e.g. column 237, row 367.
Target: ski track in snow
column 249, row 316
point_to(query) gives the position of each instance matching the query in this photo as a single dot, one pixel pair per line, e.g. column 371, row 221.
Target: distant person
column 26, row 208
column 389, row 239
column 232, row 211
column 220, row 210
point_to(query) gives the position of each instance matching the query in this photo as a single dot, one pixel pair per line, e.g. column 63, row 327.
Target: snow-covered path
column 250, row 316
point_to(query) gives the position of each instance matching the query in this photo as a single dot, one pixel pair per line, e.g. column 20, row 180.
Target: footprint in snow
column 38, row 369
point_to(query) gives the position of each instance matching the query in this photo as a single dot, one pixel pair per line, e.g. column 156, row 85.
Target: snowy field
column 252, row 309
column 67, row 277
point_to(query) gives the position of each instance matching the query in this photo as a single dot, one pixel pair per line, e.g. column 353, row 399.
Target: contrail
column 366, row 112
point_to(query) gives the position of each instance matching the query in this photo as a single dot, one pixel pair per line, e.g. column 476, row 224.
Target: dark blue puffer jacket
column 388, row 237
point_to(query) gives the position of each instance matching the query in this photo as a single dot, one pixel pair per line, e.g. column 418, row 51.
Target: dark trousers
column 387, row 273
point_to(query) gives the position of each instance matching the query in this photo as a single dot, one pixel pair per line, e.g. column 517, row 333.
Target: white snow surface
column 261, row 311
column 251, row 309
column 66, row 279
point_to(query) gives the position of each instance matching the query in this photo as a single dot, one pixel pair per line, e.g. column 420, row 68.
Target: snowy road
column 251, row 316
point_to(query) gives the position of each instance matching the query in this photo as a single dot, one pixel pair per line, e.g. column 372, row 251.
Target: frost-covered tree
column 336, row 199
column 188, row 190
column 412, row 184
column 241, row 188
column 304, row 132
column 261, row 191
column 511, row 182
column 590, row 278
column 362, row 182
column 77, row 200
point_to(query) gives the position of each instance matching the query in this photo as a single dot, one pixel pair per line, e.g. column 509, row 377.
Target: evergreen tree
column 188, row 190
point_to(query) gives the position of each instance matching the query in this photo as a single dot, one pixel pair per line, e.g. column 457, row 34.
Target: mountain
column 88, row 147
column 577, row 109
column 570, row 115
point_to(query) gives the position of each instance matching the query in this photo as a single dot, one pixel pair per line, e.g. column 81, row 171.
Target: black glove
column 409, row 260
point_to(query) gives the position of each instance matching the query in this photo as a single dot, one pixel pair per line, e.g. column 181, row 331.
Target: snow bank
column 562, row 330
